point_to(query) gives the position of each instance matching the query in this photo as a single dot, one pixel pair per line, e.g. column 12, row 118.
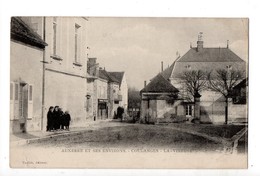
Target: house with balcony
column 104, row 91
column 123, row 88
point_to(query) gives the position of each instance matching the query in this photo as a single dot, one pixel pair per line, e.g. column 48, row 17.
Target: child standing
column 67, row 120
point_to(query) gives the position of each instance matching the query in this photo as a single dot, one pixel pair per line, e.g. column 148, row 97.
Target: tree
column 223, row 81
column 194, row 82
column 134, row 98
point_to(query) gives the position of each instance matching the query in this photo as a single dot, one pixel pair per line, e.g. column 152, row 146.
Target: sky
column 139, row 45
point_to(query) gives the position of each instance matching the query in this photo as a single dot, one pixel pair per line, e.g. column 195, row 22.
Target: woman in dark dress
column 56, row 115
column 50, row 119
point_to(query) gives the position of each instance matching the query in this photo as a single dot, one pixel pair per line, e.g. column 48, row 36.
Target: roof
column 118, row 75
column 208, row 60
column 23, row 33
column 243, row 83
column 168, row 71
column 160, row 85
column 103, row 74
column 210, row 55
column 208, row 67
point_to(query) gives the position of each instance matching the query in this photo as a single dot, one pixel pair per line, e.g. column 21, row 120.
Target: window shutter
column 30, row 101
column 11, row 100
column 16, row 100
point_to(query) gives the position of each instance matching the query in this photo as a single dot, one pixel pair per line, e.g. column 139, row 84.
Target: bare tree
column 223, row 81
column 194, row 82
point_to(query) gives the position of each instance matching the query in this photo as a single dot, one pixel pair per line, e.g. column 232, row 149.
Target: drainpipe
column 43, row 76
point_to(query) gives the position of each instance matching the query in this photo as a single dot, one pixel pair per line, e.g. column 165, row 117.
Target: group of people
column 57, row 120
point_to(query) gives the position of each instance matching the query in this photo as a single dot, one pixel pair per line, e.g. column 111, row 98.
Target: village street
column 118, row 135
column 94, row 106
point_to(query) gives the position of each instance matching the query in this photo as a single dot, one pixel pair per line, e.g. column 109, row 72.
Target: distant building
column 238, row 107
column 105, row 91
column 205, row 59
column 92, row 95
column 157, row 99
column 26, row 59
column 123, row 88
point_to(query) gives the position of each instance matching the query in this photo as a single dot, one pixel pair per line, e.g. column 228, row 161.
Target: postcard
column 128, row 92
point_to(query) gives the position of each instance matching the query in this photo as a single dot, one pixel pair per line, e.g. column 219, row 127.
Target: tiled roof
column 210, row 55
column 208, row 60
column 208, row 67
column 117, row 75
column 243, row 83
column 159, row 84
column 167, row 72
column 23, row 33
column 103, row 74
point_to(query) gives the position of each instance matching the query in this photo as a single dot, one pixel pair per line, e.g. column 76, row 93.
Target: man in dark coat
column 50, row 119
column 60, row 119
column 120, row 112
column 56, row 115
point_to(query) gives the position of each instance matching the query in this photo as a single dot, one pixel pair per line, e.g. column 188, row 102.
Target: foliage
column 134, row 98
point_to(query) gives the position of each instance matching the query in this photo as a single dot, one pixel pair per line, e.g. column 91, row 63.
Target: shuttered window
column 30, row 92
column 11, row 91
column 16, row 91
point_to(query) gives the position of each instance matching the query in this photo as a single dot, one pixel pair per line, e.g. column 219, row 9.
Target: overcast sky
column 138, row 45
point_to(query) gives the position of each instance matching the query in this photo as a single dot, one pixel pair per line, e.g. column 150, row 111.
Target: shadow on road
column 24, row 135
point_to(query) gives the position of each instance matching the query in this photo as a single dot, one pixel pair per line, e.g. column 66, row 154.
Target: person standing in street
column 50, row 119
column 67, row 120
column 56, row 118
column 60, row 119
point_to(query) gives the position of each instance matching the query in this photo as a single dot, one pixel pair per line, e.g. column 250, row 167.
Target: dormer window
column 188, row 67
column 229, row 67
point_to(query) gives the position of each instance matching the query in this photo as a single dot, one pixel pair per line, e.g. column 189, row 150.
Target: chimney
column 227, row 43
column 97, row 70
column 144, row 83
column 91, row 65
column 92, row 61
column 162, row 66
column 200, row 42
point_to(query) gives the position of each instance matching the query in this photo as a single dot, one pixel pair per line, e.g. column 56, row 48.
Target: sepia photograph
column 129, row 92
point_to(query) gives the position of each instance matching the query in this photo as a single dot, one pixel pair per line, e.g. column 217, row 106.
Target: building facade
column 106, row 91
column 211, row 104
column 65, row 68
column 63, row 65
column 27, row 52
column 123, row 89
